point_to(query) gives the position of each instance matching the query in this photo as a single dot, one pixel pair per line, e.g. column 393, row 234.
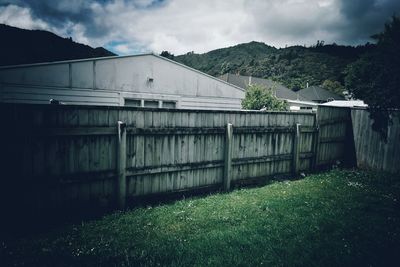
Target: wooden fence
column 65, row 156
column 371, row 150
column 335, row 137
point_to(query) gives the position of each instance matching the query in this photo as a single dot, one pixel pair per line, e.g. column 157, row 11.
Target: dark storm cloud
column 356, row 8
column 59, row 13
column 366, row 17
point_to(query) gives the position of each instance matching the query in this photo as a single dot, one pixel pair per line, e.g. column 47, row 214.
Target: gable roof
column 121, row 57
column 243, row 81
column 319, row 94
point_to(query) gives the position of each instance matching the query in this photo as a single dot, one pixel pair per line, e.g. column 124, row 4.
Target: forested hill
column 293, row 66
column 19, row 46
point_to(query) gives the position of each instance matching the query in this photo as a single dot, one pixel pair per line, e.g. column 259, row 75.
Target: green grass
column 338, row 218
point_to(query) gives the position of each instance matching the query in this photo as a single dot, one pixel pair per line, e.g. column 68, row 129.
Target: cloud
column 21, row 17
column 363, row 18
column 180, row 26
column 304, row 22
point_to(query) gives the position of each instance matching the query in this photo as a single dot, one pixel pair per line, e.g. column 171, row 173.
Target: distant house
column 295, row 101
column 318, row 94
column 300, row 105
column 138, row 81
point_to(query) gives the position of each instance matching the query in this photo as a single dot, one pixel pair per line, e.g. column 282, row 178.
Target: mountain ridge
column 21, row 46
column 293, row 66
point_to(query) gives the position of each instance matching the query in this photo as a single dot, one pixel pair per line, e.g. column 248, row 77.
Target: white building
column 298, row 105
column 346, row 103
column 142, row 80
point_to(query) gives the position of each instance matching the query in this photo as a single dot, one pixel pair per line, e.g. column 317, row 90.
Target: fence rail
column 59, row 155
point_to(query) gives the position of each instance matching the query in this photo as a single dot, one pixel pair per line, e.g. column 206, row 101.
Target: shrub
column 259, row 97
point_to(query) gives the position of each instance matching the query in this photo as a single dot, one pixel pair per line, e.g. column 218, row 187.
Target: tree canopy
column 293, row 66
column 333, row 86
column 375, row 76
column 167, row 54
column 258, row 97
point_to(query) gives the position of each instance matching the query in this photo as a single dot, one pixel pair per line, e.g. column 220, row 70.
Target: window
column 151, row 104
column 169, row 104
column 132, row 102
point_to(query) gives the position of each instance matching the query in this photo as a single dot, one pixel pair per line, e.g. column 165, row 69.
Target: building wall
column 302, row 106
column 110, row 81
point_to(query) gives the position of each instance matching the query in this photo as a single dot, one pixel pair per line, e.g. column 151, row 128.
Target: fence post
column 296, row 150
column 314, row 162
column 228, row 157
column 121, row 165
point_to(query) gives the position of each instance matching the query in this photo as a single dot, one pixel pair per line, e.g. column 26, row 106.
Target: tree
column 258, row 97
column 375, row 78
column 167, row 54
column 333, row 86
column 320, row 43
column 225, row 68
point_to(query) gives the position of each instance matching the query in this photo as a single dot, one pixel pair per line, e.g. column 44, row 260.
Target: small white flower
column 355, row 184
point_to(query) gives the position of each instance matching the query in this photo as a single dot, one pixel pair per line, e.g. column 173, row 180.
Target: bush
column 258, row 97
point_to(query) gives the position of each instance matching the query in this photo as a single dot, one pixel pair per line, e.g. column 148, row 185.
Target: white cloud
column 304, row 22
column 21, row 17
column 123, row 49
column 181, row 26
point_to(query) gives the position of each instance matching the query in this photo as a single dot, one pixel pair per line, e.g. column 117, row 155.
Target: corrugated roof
column 345, row 103
column 244, row 81
column 301, row 102
column 116, row 58
column 318, row 94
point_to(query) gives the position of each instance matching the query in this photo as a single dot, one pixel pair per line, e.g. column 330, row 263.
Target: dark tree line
column 375, row 76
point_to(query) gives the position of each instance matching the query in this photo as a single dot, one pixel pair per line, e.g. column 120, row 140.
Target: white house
column 141, row 80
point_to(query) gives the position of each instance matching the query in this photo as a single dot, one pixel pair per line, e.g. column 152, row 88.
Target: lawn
column 336, row 218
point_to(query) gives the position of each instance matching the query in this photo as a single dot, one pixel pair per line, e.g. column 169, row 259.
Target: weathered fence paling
column 296, row 150
column 121, row 190
column 372, row 152
column 228, row 157
column 330, row 143
column 315, row 149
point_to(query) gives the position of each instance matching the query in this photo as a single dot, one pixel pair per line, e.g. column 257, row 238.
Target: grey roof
column 117, row 57
column 243, row 81
column 318, row 94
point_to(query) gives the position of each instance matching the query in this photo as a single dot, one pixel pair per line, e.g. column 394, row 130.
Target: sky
column 181, row 26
